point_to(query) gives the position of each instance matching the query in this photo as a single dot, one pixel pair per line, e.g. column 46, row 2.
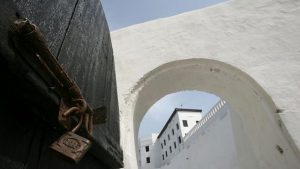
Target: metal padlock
column 72, row 145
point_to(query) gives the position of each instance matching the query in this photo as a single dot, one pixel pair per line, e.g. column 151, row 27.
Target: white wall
column 245, row 51
column 211, row 147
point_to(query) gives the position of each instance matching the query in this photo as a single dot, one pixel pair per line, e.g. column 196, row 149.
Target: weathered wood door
column 77, row 34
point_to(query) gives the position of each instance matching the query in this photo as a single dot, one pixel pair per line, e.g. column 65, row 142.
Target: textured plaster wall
column 260, row 38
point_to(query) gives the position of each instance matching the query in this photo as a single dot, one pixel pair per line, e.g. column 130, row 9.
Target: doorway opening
column 167, row 123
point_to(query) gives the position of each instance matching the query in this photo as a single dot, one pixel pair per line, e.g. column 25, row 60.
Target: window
column 173, row 131
column 164, row 142
column 166, row 154
column 162, row 146
column 148, row 159
column 175, row 145
column 170, row 149
column 177, row 125
column 168, row 137
column 185, row 123
column 147, row 148
column 163, row 156
column 197, row 121
column 179, row 139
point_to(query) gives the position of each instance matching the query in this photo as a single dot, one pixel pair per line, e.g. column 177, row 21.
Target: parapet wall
column 217, row 107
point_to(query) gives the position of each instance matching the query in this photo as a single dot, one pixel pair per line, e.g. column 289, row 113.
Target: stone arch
column 257, row 131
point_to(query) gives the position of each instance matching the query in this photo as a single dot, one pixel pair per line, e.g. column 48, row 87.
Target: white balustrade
column 208, row 116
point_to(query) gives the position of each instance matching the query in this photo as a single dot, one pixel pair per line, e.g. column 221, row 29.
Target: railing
column 208, row 116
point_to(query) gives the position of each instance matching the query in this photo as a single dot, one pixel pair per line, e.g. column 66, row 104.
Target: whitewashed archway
column 259, row 37
column 257, row 128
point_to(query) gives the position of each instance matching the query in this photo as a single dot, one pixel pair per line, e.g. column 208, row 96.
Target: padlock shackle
column 78, row 125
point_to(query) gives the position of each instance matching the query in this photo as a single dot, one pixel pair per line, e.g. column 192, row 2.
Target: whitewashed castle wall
column 259, row 38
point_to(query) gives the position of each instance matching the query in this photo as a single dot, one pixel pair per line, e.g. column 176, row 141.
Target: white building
column 171, row 136
column 146, row 146
column 209, row 144
column 157, row 152
column 188, row 140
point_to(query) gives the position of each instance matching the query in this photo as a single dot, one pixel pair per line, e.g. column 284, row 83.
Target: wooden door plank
column 87, row 57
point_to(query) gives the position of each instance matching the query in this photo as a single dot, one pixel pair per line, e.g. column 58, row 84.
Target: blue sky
column 160, row 112
column 123, row 13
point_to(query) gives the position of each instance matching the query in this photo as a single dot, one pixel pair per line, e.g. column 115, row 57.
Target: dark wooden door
column 77, row 34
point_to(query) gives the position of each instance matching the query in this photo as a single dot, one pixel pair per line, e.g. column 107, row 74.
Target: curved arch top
column 195, row 74
column 255, row 120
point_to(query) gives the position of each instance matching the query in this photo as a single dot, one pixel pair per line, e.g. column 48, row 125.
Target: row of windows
column 166, row 152
column 185, row 124
column 170, row 148
column 179, row 140
column 173, row 133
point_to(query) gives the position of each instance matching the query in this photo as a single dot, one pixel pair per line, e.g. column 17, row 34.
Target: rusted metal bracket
column 28, row 39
